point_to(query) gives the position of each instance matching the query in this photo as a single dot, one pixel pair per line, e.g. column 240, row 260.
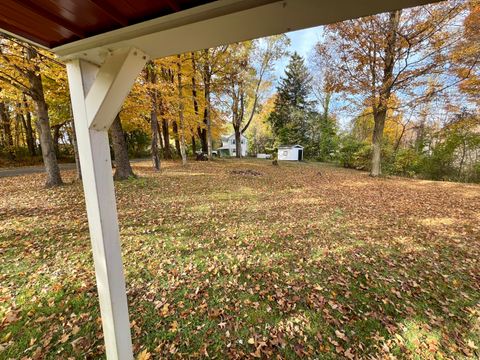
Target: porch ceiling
column 89, row 29
column 52, row 23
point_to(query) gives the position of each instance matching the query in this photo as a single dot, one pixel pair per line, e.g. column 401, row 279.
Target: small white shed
column 290, row 152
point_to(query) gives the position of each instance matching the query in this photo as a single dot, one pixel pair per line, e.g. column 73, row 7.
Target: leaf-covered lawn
column 289, row 261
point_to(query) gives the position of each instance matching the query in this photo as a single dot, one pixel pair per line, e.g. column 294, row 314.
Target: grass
column 304, row 261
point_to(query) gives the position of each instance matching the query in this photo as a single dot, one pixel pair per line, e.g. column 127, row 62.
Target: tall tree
column 75, row 151
column 151, row 76
column 7, row 138
column 27, row 124
column 250, row 66
column 123, row 169
column 213, row 63
column 201, row 130
column 260, row 133
column 239, row 75
column 293, row 106
column 465, row 55
column 181, row 109
column 22, row 68
column 325, row 129
column 394, row 53
column 207, row 81
column 166, row 98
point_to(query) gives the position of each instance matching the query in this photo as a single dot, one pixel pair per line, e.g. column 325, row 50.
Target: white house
column 290, row 152
column 229, row 147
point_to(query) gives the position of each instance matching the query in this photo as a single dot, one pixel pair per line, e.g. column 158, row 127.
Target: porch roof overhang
column 91, row 29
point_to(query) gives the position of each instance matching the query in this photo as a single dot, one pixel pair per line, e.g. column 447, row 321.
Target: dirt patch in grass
column 288, row 264
column 247, row 172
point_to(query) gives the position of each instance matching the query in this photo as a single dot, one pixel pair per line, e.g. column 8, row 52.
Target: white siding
column 289, row 154
column 229, row 143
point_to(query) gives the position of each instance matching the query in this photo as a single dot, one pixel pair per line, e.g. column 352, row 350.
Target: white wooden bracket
column 97, row 94
column 112, row 84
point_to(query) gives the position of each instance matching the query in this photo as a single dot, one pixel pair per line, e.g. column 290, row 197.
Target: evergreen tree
column 328, row 142
column 289, row 119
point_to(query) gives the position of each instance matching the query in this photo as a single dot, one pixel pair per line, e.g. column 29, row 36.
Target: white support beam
column 94, row 153
column 112, row 84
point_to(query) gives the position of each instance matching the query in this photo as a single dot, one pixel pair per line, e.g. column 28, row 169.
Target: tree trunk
column 151, row 76
column 123, row 169
column 379, row 118
column 56, row 137
column 18, row 128
column 155, row 138
column 29, row 138
column 399, row 140
column 238, row 144
column 180, row 111
column 167, row 152
column 202, row 135
column 29, row 134
column 462, row 160
column 196, row 107
column 209, row 126
column 75, row 151
column 176, row 135
column 7, row 131
column 380, row 112
column 420, row 137
column 160, row 140
column 209, row 130
column 48, row 151
column 194, row 145
column 207, row 76
column 43, row 125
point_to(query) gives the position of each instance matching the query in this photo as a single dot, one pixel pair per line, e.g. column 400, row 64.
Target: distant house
column 229, row 147
column 290, row 152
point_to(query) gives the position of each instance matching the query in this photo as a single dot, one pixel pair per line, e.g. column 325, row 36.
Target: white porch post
column 97, row 94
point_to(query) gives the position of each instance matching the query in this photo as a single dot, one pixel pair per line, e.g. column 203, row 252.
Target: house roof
column 226, row 137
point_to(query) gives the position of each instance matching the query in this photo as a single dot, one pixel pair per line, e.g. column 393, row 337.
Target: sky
column 302, row 41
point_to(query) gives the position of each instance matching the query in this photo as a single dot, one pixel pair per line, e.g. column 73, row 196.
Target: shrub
column 353, row 153
column 406, row 163
column 138, row 143
column 474, row 174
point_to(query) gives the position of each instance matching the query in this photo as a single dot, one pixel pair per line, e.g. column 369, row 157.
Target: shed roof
column 296, row 146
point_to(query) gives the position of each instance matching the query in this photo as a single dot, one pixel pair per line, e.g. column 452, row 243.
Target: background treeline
column 405, row 86
column 394, row 93
column 178, row 106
